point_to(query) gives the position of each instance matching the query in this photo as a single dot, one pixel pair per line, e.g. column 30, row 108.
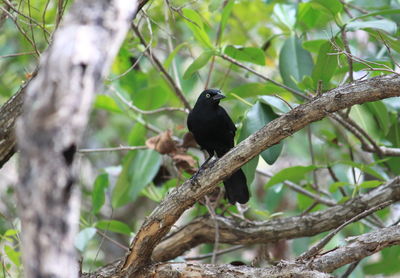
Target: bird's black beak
column 218, row 96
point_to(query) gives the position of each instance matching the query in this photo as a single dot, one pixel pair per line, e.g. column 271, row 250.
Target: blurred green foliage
column 296, row 43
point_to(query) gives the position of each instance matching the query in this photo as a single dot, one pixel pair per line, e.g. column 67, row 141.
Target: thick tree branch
column 170, row 209
column 55, row 113
column 358, row 248
column 201, row 230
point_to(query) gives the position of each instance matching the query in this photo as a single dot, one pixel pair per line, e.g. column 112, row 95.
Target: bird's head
column 211, row 96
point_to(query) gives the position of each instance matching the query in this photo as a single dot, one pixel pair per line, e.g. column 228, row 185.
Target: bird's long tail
column 236, row 188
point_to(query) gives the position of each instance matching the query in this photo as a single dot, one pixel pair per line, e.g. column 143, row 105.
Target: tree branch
column 201, row 230
column 181, row 198
column 357, row 249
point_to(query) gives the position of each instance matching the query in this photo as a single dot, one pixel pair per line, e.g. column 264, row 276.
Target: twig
column 350, row 269
column 112, row 240
column 161, row 68
column 293, row 91
column 218, row 40
column 317, row 247
column 220, row 252
column 147, row 112
column 349, row 60
column 213, row 216
column 299, row 189
column 16, row 54
column 120, row 148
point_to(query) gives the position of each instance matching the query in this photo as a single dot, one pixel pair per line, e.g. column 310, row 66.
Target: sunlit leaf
column 195, row 23
column 197, row 64
column 294, row 174
column 294, row 62
column 13, row 255
column 107, row 103
column 138, row 172
column 114, row 226
column 247, row 54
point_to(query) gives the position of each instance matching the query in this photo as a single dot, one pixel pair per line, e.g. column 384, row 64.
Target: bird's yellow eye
column 208, row 95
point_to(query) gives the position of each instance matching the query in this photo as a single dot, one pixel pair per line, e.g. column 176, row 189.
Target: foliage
column 299, row 44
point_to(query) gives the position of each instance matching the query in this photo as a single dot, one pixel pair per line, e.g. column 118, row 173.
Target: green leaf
column 247, row 54
column 382, row 24
column 256, row 117
column 294, row 174
column 381, row 12
column 313, row 45
column 294, row 62
column 226, row 12
column 276, row 103
column 13, row 255
column 393, row 43
column 378, row 109
column 107, row 103
column 363, row 167
column 325, row 66
column 195, row 23
column 171, row 56
column 99, row 191
column 138, row 172
column 334, row 6
column 370, row 184
column 114, row 226
column 197, row 64
column 137, row 135
column 334, row 186
column 83, row 238
column 255, row 89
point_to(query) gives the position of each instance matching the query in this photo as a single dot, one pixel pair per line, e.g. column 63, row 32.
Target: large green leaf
column 138, row 172
column 325, row 66
column 247, row 54
column 197, row 64
column 226, row 12
column 381, row 24
column 195, row 23
column 171, row 56
column 13, row 255
column 259, row 115
column 333, row 6
column 99, row 191
column 114, row 226
column 294, row 62
column 107, row 103
column 379, row 110
column 294, row 174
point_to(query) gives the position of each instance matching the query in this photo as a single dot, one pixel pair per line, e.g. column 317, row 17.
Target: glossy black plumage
column 214, row 131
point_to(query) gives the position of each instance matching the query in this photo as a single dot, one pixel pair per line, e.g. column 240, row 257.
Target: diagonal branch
column 201, row 230
column 158, row 224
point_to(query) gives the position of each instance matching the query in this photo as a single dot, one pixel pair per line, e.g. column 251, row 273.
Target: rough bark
column 181, row 198
column 358, row 248
column 8, row 115
column 231, row 231
column 55, row 113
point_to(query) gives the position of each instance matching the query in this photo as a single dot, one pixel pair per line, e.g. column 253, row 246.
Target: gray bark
column 202, row 230
column 55, row 113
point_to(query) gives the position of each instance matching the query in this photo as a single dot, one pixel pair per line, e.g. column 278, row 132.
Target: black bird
column 214, row 131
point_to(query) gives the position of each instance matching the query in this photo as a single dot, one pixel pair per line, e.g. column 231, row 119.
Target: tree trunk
column 55, row 113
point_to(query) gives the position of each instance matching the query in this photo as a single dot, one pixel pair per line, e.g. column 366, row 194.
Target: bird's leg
column 202, row 166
